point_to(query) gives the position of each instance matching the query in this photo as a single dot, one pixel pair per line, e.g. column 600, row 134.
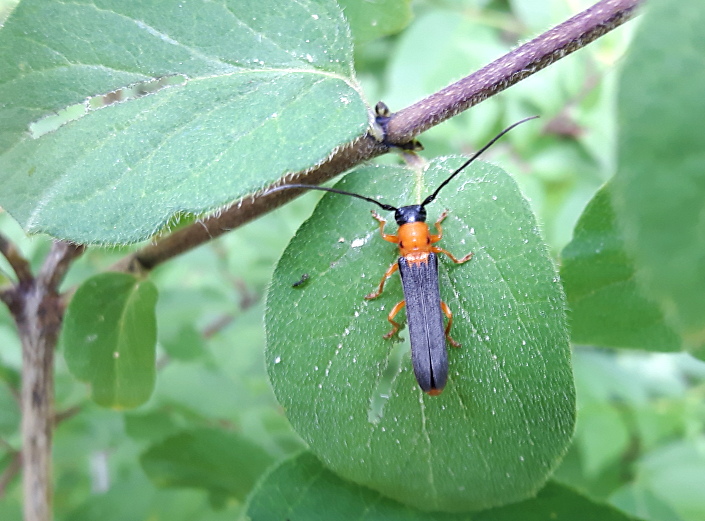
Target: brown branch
column 18, row 263
column 511, row 68
column 7, row 296
column 66, row 414
column 57, row 263
column 525, row 60
column 38, row 311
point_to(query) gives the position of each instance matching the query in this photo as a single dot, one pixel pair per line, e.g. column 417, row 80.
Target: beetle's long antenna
column 431, row 197
column 383, row 206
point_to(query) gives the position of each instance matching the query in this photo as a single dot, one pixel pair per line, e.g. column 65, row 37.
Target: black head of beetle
column 415, row 213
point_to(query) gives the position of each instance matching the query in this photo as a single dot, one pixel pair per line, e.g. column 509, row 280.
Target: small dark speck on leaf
column 301, row 281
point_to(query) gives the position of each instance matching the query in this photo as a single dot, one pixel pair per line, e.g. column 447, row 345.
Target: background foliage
column 639, row 444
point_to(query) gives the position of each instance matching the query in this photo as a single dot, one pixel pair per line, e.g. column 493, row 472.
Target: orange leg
column 387, row 237
column 395, row 325
column 439, row 236
column 449, row 315
column 436, row 249
column 394, row 267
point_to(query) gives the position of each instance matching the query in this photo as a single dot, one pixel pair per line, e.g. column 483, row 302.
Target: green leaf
column 606, row 305
column 507, row 414
column 597, row 450
column 109, row 338
column 556, row 502
column 635, row 497
column 370, row 20
column 659, row 189
column 674, row 474
column 224, row 463
column 151, row 425
column 301, row 488
column 240, row 94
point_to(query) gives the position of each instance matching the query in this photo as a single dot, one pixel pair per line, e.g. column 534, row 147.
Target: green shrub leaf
column 232, row 89
column 607, row 307
column 507, row 413
column 301, row 488
column 109, row 338
column 659, row 189
column 224, row 463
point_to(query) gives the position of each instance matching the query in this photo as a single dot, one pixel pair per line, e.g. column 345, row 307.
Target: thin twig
column 57, row 263
column 66, row 414
column 18, row 263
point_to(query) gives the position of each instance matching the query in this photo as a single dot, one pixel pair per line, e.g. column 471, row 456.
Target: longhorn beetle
column 418, row 267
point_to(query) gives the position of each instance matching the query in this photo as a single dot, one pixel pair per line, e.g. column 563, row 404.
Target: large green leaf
column 109, row 338
column 256, row 89
column 507, row 414
column 607, row 307
column 301, row 488
column 224, row 463
column 659, row 189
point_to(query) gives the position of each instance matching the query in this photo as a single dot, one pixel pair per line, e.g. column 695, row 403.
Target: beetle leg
column 439, row 235
column 394, row 267
column 436, row 249
column 449, row 315
column 395, row 325
column 387, row 237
